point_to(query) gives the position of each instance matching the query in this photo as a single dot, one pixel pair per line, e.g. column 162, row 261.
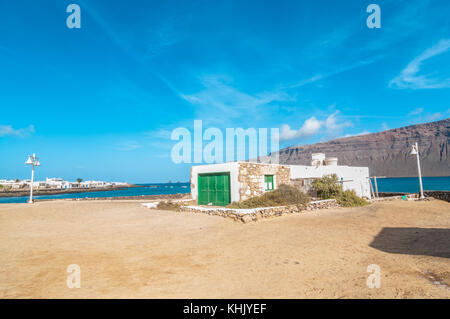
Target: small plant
column 284, row 195
column 327, row 187
column 349, row 198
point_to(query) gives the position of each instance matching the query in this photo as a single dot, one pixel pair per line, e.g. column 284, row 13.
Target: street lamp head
column 29, row 161
column 413, row 151
column 37, row 163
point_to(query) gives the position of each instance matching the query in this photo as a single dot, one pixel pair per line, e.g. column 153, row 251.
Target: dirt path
column 128, row 251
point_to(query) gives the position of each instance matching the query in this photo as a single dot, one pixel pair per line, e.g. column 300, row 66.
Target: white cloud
column 128, row 146
column 424, row 117
column 220, row 101
column 434, row 117
column 8, row 130
column 409, row 78
column 416, row 111
column 158, row 134
column 331, row 126
column 310, row 127
column 345, row 68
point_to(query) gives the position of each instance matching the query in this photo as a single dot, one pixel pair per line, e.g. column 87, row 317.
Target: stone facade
column 251, row 177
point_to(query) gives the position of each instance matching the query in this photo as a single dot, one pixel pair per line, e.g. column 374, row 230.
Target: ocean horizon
column 388, row 184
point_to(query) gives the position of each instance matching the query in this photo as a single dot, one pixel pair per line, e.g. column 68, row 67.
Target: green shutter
column 268, row 181
column 214, row 188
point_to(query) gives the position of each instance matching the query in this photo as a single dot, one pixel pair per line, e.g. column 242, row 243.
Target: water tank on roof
column 317, row 159
column 331, row 161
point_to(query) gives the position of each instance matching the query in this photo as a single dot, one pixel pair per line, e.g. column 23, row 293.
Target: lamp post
column 415, row 151
column 33, row 161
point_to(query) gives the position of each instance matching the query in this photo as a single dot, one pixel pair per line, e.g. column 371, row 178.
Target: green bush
column 349, row 198
column 327, row 187
column 284, row 195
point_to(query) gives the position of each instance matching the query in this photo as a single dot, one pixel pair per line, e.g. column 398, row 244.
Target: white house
column 95, row 184
column 221, row 184
column 6, row 182
column 56, row 182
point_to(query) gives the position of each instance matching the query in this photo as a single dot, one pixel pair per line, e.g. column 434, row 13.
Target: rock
column 246, row 219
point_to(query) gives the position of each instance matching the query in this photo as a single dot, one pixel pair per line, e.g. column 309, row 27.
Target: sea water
column 146, row 189
column 411, row 184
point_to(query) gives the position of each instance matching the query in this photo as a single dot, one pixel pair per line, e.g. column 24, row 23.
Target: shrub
column 349, row 198
column 284, row 195
column 327, row 187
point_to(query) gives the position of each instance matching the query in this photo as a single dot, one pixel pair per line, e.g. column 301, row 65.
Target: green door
column 214, row 188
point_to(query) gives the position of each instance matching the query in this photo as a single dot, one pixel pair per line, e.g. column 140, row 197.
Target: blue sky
column 100, row 102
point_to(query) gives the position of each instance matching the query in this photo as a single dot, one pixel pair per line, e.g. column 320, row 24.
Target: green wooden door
column 214, row 188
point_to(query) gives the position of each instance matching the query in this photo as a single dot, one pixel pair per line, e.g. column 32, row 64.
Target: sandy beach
column 125, row 250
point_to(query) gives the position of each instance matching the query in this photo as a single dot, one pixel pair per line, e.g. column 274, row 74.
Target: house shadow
column 414, row 241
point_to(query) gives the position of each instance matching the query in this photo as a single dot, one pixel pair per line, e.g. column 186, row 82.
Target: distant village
column 57, row 183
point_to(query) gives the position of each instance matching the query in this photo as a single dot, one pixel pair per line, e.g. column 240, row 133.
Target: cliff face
column 385, row 153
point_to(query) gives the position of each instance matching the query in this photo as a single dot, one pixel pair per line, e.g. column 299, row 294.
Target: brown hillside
column 386, row 153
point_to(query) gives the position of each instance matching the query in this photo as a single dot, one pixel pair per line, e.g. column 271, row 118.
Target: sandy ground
column 126, row 250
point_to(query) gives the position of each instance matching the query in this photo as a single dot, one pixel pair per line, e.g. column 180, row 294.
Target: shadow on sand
column 414, row 241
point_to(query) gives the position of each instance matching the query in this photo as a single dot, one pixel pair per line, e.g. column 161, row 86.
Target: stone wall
column 442, row 195
column 390, row 194
column 394, row 197
column 255, row 214
column 251, row 177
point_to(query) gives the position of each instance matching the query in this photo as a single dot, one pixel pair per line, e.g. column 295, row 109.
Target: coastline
column 43, row 192
column 137, row 197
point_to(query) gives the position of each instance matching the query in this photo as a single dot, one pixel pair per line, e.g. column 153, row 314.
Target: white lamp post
column 415, row 151
column 33, row 161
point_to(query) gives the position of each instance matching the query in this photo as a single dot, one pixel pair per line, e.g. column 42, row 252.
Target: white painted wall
column 356, row 178
column 232, row 168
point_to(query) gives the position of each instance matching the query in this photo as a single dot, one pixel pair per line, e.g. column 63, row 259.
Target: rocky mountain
column 385, row 153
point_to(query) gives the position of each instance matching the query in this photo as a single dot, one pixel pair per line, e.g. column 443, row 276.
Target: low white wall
column 232, row 168
column 356, row 178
